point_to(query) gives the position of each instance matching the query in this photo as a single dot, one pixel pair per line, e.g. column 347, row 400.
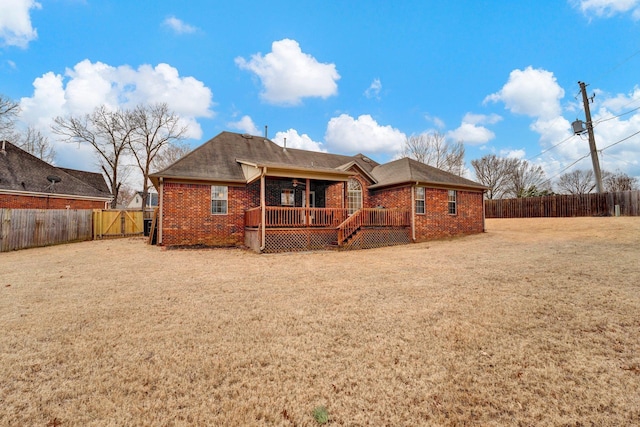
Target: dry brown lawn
column 534, row 323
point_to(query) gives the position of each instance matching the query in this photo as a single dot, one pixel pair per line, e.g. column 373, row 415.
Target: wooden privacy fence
column 117, row 223
column 27, row 228
column 625, row 203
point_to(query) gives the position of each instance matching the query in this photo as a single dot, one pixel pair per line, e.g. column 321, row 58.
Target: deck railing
column 277, row 216
column 376, row 217
column 304, row 217
column 252, row 217
column 372, row 218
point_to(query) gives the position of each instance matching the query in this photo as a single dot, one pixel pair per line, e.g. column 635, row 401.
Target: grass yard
column 534, row 323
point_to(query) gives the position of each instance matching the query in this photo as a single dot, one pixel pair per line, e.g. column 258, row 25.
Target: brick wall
column 398, row 197
column 187, row 218
column 437, row 222
column 334, row 195
column 14, row 201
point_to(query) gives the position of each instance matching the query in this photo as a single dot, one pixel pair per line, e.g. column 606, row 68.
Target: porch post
column 306, row 203
column 413, row 211
column 160, row 210
column 263, row 210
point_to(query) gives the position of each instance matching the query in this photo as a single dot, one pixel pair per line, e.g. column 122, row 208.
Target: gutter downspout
column 413, row 212
column 484, row 228
column 263, row 210
column 160, row 210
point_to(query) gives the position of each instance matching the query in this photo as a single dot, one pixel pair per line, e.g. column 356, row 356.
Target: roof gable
column 221, row 159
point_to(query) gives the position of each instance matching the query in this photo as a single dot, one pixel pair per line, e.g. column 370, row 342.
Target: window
column 219, row 195
column 354, row 196
column 452, row 202
column 419, row 200
column 287, row 198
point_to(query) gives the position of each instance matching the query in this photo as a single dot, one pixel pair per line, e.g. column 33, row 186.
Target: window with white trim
column 354, row 195
column 453, row 201
column 219, row 199
column 420, row 200
column 287, row 198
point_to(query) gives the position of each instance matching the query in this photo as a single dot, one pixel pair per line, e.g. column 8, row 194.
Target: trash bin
column 147, row 226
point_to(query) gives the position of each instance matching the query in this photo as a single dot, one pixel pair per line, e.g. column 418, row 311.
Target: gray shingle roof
column 21, row 171
column 409, row 170
column 218, row 160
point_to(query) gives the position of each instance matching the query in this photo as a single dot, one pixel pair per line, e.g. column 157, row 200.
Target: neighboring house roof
column 222, row 159
column 94, row 179
column 22, row 172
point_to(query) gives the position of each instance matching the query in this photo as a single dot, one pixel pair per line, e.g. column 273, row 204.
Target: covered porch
column 307, row 208
column 284, row 229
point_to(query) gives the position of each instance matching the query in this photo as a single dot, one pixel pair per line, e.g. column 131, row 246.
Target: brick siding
column 13, row 201
column 187, row 219
column 398, row 197
column 437, row 222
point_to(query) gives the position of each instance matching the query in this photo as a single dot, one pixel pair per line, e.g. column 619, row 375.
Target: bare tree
column 9, row 110
column 154, row 128
column 34, row 142
column 619, row 181
column 495, row 172
column 577, row 182
column 433, row 149
column 170, row 154
column 108, row 132
column 125, row 194
column 528, row 180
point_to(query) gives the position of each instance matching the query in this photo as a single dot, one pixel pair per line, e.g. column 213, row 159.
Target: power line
column 558, row 174
column 615, row 67
column 550, row 148
column 618, row 142
column 588, row 154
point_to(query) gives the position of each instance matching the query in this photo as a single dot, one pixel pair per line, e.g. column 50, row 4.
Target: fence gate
column 117, row 223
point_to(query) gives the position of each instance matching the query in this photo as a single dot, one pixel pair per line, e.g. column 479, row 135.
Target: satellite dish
column 53, row 179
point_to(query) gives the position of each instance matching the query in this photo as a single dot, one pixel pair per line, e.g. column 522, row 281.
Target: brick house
column 237, row 190
column 27, row 182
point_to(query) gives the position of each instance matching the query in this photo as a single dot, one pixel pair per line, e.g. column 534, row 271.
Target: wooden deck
column 290, row 229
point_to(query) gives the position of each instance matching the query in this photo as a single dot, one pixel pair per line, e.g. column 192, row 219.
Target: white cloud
column 15, row 22
column 608, row 8
column 294, row 140
column 437, row 121
column 87, row 85
column 471, row 130
column 471, row 134
column 178, row 26
column 288, row 75
column 516, row 154
column 246, row 125
column 373, row 91
column 348, row 135
column 533, row 92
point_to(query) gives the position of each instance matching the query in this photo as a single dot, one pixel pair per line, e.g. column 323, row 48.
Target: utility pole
column 592, row 140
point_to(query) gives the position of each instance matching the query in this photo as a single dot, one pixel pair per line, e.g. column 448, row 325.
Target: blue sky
column 340, row 76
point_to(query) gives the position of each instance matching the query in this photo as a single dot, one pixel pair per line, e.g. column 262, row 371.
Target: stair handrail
column 349, row 226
